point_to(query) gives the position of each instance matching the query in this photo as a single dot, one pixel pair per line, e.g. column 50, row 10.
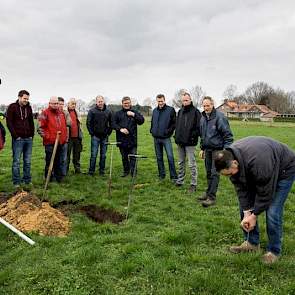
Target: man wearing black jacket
column 99, row 125
column 262, row 171
column 162, row 128
column 20, row 123
column 215, row 135
column 125, row 123
column 186, row 138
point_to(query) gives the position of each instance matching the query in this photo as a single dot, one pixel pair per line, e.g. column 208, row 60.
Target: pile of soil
column 27, row 213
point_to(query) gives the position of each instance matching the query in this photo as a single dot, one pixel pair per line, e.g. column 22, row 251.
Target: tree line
column 259, row 92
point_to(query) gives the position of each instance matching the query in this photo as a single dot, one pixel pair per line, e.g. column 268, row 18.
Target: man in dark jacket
column 186, row 138
column 20, row 123
column 215, row 135
column 99, row 125
column 162, row 128
column 262, row 183
column 125, row 123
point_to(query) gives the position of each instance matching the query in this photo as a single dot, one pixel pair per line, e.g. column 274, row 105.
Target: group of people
column 210, row 126
column 262, row 183
column 63, row 128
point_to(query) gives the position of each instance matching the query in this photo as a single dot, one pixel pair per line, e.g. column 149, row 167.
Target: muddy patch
column 101, row 215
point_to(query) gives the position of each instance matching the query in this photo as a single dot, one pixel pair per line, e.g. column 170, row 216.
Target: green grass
column 170, row 244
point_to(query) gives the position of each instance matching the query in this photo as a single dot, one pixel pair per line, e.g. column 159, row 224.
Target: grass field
column 169, row 245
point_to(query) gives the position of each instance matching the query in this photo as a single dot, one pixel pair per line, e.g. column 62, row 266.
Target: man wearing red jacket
column 51, row 122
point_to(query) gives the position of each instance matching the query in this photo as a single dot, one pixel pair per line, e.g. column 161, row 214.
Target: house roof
column 245, row 108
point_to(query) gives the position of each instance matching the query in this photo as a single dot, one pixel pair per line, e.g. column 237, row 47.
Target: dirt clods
column 27, row 213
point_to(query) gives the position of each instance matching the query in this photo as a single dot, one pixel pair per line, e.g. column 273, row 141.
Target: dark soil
column 101, row 215
column 94, row 212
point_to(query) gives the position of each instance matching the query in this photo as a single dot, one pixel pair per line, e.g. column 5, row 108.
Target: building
column 232, row 109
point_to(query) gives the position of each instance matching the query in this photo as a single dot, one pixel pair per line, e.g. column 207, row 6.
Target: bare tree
column 197, row 95
column 149, row 103
column 230, row 92
column 258, row 93
column 81, row 106
column 176, row 101
column 291, row 99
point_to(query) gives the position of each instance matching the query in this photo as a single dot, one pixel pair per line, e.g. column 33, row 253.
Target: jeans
column 75, row 145
column 159, row 144
column 128, row 162
column 57, row 164
column 19, row 147
column 95, row 143
column 63, row 157
column 274, row 218
column 212, row 175
column 188, row 151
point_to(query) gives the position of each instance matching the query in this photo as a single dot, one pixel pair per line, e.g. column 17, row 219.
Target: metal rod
column 18, row 232
column 110, row 176
column 131, row 188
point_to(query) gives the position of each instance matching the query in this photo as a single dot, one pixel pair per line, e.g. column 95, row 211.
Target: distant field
column 169, row 245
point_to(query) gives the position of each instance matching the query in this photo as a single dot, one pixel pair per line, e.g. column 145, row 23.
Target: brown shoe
column 269, row 258
column 208, row 202
column 192, row 189
column 244, row 247
column 203, row 197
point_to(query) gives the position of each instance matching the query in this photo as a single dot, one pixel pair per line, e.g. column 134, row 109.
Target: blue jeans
column 159, row 144
column 19, row 147
column 95, row 143
column 274, row 218
column 64, row 159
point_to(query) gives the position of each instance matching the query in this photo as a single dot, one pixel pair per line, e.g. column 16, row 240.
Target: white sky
column 142, row 48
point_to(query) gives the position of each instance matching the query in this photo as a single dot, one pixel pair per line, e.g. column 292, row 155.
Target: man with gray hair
column 99, row 125
column 52, row 122
column 75, row 137
column 186, row 138
column 215, row 135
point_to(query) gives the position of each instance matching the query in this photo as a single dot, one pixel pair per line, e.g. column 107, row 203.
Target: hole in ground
column 101, row 215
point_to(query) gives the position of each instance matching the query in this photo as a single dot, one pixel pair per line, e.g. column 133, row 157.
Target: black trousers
column 75, row 148
column 128, row 163
column 57, row 164
column 212, row 174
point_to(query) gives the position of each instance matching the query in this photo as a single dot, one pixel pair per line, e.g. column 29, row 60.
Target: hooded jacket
column 20, row 120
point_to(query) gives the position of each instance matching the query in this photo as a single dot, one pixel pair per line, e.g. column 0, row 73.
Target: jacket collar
column 241, row 175
column 212, row 115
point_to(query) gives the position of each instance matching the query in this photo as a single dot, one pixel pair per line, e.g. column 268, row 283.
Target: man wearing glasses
column 51, row 123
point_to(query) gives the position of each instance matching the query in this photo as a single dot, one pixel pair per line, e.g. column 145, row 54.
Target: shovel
column 51, row 162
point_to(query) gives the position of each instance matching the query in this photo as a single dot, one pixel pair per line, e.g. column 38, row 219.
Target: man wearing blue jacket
column 215, row 135
column 162, row 128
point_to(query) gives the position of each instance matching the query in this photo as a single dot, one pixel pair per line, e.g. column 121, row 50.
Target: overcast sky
column 141, row 48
